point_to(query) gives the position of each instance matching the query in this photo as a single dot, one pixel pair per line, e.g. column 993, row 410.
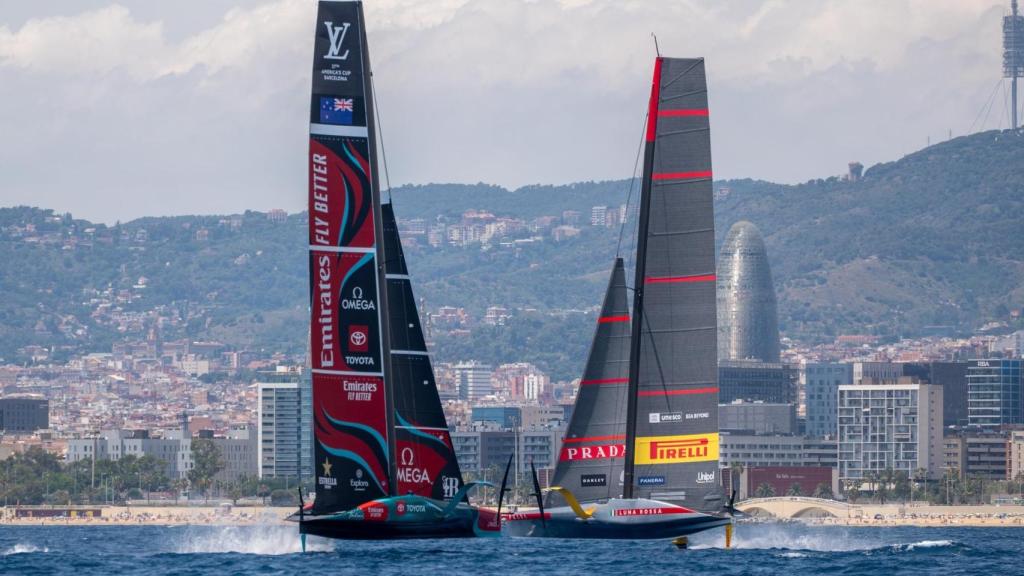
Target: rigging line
column 380, row 131
column 980, row 112
column 632, row 182
column 657, row 357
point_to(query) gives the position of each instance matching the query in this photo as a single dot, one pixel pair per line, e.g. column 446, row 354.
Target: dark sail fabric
column 350, row 416
column 423, row 446
column 675, row 443
column 591, row 459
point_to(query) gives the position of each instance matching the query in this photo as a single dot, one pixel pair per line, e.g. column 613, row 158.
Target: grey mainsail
column 672, row 419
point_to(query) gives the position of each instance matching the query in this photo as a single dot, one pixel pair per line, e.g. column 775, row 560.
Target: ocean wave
column 923, row 544
column 23, row 549
column 261, row 540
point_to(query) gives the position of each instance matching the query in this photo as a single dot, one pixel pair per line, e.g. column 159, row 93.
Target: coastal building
column 748, row 324
column 767, row 481
column 278, row 427
column 995, row 392
column 755, row 381
column 889, row 425
column 24, row 414
column 757, row 417
column 1015, row 456
column 952, row 376
column 481, row 450
column 306, row 426
column 821, row 382
column 497, row 416
column 974, row 452
column 749, row 450
column 237, row 450
column 868, row 372
column 473, row 380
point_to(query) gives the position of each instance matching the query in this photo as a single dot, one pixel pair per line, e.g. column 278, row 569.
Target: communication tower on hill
column 1013, row 54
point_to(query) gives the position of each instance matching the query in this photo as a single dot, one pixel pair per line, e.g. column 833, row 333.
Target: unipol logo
column 336, row 34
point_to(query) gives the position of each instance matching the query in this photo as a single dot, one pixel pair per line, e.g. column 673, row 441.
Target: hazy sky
column 145, row 107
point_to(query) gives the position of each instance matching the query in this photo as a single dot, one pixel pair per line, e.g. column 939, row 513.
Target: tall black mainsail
column 425, row 456
column 672, row 431
column 590, row 462
column 353, row 444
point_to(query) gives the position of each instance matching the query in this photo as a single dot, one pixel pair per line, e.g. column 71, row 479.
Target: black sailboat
column 640, row 457
column 385, row 465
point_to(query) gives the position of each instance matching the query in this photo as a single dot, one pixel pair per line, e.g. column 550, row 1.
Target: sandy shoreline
column 146, row 516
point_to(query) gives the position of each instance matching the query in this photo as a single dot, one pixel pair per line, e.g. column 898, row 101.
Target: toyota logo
column 358, row 338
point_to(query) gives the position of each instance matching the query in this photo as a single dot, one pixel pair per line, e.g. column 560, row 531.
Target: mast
column 629, row 469
column 378, row 220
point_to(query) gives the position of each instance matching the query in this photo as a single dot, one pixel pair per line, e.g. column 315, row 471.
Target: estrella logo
column 676, row 449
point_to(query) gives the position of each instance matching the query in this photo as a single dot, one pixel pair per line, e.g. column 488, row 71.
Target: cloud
column 121, row 110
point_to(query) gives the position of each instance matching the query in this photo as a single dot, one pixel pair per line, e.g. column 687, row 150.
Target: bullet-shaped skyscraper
column 748, row 323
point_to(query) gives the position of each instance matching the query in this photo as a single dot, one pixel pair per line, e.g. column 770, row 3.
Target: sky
column 116, row 110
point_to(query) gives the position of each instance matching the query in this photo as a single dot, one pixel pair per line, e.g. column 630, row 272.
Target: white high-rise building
column 890, row 425
column 473, row 380
column 278, row 425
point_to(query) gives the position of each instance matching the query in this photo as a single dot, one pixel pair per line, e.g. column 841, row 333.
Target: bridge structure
column 795, row 507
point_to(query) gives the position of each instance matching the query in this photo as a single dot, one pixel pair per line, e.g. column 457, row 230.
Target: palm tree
column 852, row 489
column 823, row 490
column 765, row 490
column 794, row 490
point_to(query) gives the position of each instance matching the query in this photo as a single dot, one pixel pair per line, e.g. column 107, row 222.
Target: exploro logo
column 336, row 34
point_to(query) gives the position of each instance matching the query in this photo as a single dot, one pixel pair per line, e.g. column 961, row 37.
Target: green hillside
column 933, row 239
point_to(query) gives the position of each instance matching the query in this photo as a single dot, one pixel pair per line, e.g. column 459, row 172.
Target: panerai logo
column 337, row 37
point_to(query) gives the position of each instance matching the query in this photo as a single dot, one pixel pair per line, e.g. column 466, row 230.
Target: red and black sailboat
column 640, row 457
column 385, row 465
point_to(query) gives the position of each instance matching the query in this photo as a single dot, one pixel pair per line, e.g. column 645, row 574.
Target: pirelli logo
column 676, row 449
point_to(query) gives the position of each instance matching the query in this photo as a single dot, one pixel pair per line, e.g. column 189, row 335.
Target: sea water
column 790, row 549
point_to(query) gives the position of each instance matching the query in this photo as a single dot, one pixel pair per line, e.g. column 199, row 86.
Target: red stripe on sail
column 681, row 175
column 677, row 392
column 604, row 381
column 684, row 112
column 652, row 111
column 674, row 279
column 607, row 319
column 594, row 438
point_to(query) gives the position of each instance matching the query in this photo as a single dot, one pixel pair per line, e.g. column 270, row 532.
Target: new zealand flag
column 336, row 111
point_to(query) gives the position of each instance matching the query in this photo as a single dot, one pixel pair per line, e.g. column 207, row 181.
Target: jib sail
column 425, row 457
column 593, row 451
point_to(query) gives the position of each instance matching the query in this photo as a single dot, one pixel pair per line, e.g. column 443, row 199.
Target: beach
column 213, row 515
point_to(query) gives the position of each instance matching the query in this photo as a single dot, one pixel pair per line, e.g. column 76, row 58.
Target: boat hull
column 637, row 519
column 402, row 517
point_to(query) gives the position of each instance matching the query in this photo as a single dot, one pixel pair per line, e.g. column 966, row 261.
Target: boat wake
column 800, row 543
column 23, row 549
column 261, row 540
